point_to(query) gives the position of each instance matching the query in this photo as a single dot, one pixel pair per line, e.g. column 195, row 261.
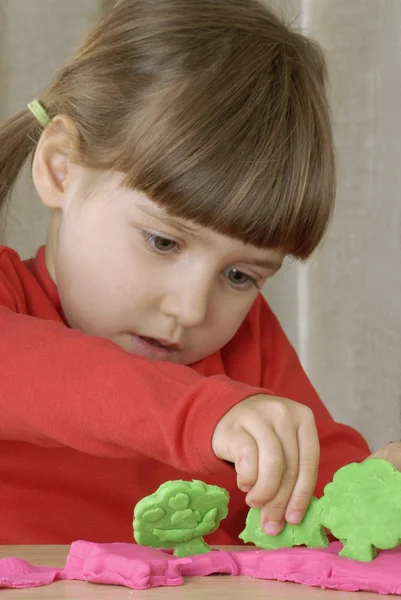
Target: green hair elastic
column 39, row 112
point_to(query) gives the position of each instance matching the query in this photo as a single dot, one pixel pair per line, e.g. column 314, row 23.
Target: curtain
column 342, row 309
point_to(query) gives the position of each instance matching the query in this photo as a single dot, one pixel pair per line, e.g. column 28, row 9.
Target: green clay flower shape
column 178, row 514
column 362, row 508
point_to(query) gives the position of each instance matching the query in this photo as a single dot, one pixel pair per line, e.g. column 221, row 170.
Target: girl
column 183, row 151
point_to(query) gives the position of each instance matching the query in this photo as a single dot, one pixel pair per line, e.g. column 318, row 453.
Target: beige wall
column 35, row 37
column 348, row 318
column 342, row 311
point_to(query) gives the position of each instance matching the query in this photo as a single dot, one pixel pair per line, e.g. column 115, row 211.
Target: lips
column 152, row 348
column 159, row 343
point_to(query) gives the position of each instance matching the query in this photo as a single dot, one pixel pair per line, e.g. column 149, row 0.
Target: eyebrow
column 164, row 217
column 266, row 263
column 180, row 225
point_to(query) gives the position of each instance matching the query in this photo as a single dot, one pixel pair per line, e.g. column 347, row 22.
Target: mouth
column 159, row 343
column 153, row 348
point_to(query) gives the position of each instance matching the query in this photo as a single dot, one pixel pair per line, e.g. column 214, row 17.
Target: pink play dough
column 140, row 568
column 134, row 566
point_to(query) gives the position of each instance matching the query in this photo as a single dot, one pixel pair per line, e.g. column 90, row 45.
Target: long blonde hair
column 214, row 108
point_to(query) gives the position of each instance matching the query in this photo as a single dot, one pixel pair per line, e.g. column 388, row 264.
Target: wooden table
column 220, row 587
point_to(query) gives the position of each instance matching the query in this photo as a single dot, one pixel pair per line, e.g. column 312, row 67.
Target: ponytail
column 19, row 136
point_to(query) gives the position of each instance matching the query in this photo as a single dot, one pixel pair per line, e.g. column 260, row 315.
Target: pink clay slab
column 138, row 567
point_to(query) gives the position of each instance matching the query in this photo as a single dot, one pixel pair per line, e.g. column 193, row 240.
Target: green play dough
column 362, row 508
column 310, row 532
column 178, row 514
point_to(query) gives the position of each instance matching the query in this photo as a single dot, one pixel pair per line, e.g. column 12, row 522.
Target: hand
column 274, row 446
column 391, row 452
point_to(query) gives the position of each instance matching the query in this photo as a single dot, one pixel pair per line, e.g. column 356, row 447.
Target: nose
column 187, row 302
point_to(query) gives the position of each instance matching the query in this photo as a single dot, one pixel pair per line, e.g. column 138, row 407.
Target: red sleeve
column 60, row 387
column 284, row 375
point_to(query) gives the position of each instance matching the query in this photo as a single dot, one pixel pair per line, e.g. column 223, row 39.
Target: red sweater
column 87, row 430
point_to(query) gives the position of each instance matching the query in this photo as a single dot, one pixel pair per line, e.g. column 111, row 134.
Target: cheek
column 233, row 308
column 222, row 328
column 94, row 289
column 102, row 293
column 227, row 319
column 91, row 255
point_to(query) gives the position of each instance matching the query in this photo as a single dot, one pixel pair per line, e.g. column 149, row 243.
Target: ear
column 52, row 161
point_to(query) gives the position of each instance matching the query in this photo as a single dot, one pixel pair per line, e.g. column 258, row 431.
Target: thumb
column 391, row 453
column 378, row 454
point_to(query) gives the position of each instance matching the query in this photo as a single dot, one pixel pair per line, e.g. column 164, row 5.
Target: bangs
column 239, row 142
column 216, row 110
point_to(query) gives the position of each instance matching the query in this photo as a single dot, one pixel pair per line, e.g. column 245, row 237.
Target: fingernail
column 295, row 518
column 272, row 528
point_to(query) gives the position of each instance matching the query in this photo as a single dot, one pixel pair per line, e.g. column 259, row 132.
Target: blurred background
column 342, row 311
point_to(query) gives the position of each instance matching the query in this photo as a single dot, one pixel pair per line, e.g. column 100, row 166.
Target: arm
column 284, row 375
column 59, row 387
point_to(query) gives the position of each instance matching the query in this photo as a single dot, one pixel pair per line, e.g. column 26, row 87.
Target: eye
column 240, row 280
column 159, row 243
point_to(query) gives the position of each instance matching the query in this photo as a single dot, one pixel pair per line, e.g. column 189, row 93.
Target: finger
column 272, row 514
column 309, row 453
column 244, row 450
column 270, row 466
column 392, row 453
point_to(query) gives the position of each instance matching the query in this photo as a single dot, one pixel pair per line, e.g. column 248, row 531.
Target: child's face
column 128, row 272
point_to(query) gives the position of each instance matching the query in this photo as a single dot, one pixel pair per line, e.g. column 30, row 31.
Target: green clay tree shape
column 362, row 508
column 178, row 514
column 310, row 532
